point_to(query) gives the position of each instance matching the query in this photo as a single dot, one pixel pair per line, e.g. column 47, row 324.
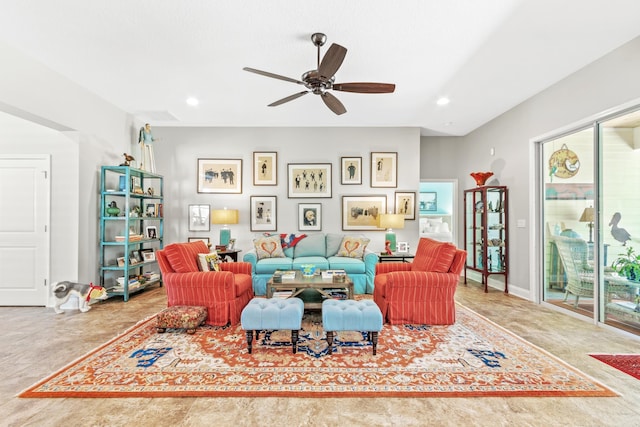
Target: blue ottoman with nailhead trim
column 350, row 315
column 272, row 314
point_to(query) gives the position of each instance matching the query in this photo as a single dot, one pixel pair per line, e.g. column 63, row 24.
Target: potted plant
column 628, row 265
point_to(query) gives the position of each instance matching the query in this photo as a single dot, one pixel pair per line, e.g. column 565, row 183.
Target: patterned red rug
column 474, row 357
column 627, row 363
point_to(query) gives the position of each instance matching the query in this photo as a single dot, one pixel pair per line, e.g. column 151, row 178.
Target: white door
column 24, row 237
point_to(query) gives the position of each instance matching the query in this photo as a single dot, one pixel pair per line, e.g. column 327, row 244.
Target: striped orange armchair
column 225, row 293
column 420, row 292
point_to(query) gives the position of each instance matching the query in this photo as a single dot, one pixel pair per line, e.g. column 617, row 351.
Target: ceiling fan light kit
column 321, row 80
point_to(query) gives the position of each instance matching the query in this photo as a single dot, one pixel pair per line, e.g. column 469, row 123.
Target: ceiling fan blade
column 333, row 103
column 288, row 98
column 362, row 87
column 332, row 61
column 273, row 76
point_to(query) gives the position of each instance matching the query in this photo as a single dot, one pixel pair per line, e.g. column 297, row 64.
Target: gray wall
column 178, row 149
column 600, row 87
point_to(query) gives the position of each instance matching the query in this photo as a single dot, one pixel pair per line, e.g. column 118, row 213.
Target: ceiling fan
column 321, row 80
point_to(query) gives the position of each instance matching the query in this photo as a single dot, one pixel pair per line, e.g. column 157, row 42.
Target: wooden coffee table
column 312, row 290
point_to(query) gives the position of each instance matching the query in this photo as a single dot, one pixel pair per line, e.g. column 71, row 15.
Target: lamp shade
column 224, row 216
column 391, row 221
column 587, row 215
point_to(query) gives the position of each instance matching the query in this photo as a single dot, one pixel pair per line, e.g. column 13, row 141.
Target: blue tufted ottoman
column 350, row 315
column 272, row 314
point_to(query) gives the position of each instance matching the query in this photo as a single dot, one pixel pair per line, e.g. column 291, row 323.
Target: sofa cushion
column 333, row 243
column 270, row 265
column 244, row 284
column 349, row 265
column 183, row 257
column 320, row 262
column 353, row 247
column 268, row 247
column 312, row 245
column 433, row 256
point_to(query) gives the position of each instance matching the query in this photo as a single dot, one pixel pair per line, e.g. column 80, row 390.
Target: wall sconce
column 588, row 216
column 391, row 221
column 225, row 217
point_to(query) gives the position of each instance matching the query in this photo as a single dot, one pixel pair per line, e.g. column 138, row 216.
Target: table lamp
column 391, row 221
column 588, row 217
column 225, row 217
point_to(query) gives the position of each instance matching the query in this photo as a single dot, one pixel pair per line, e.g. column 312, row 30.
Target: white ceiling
column 148, row 56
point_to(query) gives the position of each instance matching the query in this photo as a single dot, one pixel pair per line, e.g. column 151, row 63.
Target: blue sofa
column 319, row 249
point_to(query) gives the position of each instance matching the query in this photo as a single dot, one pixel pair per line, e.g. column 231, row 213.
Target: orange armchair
column 225, row 293
column 420, row 292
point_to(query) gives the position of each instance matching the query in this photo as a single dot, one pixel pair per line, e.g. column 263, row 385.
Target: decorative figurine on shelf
column 387, row 247
column 146, row 139
column 150, row 191
column 128, row 158
column 113, row 209
column 62, row 291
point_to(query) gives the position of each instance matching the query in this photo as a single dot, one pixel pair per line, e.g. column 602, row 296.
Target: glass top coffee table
column 312, row 290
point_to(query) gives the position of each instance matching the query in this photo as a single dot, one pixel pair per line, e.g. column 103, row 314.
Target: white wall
column 603, row 85
column 84, row 133
column 178, row 149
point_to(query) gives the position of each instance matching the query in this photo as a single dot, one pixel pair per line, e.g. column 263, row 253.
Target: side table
column 233, row 254
column 396, row 257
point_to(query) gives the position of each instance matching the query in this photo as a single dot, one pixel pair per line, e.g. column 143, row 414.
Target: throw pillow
column 268, row 247
column 353, row 247
column 433, row 256
column 209, row 262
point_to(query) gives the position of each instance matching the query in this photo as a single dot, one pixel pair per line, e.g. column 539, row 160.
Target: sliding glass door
column 591, row 224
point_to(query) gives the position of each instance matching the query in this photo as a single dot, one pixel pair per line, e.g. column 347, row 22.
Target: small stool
column 350, row 315
column 272, row 314
column 181, row 317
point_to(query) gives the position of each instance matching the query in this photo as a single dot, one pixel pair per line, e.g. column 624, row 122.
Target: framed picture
column 195, row 239
column 231, row 246
column 402, row 247
column 406, row 204
column 384, row 169
column 429, row 201
column 199, row 217
column 120, row 260
column 219, row 175
column 309, row 180
column 265, row 168
column 151, row 232
column 151, row 210
column 264, row 213
column 135, row 256
column 361, row 212
column 309, row 216
column 147, row 255
column 351, row 170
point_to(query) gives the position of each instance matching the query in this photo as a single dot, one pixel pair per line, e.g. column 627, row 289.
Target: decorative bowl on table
column 308, row 270
column 481, row 177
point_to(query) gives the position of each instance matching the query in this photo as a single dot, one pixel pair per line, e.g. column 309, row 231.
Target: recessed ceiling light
column 443, row 101
column 192, row 101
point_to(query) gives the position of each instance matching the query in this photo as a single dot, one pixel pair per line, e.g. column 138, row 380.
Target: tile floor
column 36, row 342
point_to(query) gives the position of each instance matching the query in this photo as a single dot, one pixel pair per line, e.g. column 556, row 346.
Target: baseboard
column 498, row 284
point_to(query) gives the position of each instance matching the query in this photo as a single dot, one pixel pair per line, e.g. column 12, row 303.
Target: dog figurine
column 63, row 290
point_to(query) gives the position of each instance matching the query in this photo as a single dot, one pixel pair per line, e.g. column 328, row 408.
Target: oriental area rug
column 627, row 363
column 473, row 357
